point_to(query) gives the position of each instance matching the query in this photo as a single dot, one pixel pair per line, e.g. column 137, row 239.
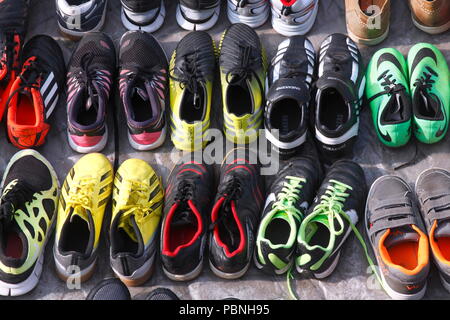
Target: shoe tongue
column 289, row 88
column 344, row 88
column 396, row 107
column 129, row 225
column 83, row 214
column 184, row 218
column 282, row 215
column 145, row 91
column 429, row 102
column 443, row 229
column 401, row 235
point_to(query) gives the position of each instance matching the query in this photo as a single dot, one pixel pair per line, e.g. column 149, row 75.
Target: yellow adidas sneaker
column 243, row 65
column 84, row 196
column 138, row 198
column 191, row 82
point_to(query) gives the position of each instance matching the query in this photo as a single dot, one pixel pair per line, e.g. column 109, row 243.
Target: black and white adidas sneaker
column 289, row 81
column 77, row 17
column 338, row 101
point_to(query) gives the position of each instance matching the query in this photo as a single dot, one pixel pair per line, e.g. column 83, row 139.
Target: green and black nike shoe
column 388, row 93
column 30, row 191
column 429, row 82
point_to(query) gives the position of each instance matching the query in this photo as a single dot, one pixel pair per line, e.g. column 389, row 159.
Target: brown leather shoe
column 368, row 20
column 431, row 16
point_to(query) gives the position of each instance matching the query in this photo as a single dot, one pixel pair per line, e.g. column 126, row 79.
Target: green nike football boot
column 387, row 91
column 429, row 83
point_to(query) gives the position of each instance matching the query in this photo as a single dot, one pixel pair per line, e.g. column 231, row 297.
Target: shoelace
column 425, row 82
column 191, row 77
column 139, row 191
column 88, row 76
column 246, row 69
column 7, row 52
column 20, row 195
column 332, row 205
column 232, row 192
column 288, row 196
column 148, row 75
column 390, row 85
column 80, row 195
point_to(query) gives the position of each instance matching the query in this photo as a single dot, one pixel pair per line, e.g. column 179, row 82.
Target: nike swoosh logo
column 422, row 54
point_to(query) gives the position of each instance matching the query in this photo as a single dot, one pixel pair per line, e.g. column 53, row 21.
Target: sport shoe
column 433, row 194
column 198, row 14
column 288, row 99
column 340, row 90
column 236, row 214
column 143, row 89
column 253, row 13
column 35, row 92
column 432, row 17
column 294, row 17
column 336, row 210
column 185, row 224
column 109, row 289
column 89, row 82
column 388, row 93
column 145, row 15
column 82, row 204
column 78, row 17
column 162, row 294
column 368, row 21
column 30, row 191
column 290, row 196
column 138, row 198
column 192, row 70
column 13, row 15
column 429, row 74
column 396, row 234
column 243, row 66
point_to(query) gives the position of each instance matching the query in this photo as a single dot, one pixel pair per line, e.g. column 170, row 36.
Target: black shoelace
column 185, row 192
column 246, row 68
column 191, row 77
column 88, row 75
column 425, row 82
column 390, row 85
column 17, row 197
column 8, row 46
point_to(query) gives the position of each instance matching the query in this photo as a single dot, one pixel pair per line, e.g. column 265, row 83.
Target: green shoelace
column 332, row 205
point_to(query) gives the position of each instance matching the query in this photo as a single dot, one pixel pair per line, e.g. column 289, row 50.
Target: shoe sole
column 431, row 30
column 187, row 25
column 17, row 289
column 148, row 147
column 368, row 42
column 77, row 35
column 229, row 276
column 97, row 148
column 84, row 275
column 271, row 270
column 185, row 277
column 294, row 30
column 391, row 292
column 254, row 21
column 140, row 276
column 152, row 27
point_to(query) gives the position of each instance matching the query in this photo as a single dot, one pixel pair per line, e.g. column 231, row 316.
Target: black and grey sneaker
column 236, row 214
column 289, row 94
column 143, row 89
column 109, row 289
column 162, row 294
column 340, row 90
column 396, row 234
column 433, row 193
column 198, row 14
column 336, row 210
column 185, row 223
column 77, row 17
column 145, row 15
column 290, row 196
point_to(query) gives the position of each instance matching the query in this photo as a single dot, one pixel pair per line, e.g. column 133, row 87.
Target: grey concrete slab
column 351, row 279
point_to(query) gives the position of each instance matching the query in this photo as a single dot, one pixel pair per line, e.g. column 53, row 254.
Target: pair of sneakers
column 409, row 97
column 323, row 92
column 307, row 219
column 403, row 224
column 289, row 17
column 242, row 64
column 143, row 90
column 194, row 225
column 137, row 199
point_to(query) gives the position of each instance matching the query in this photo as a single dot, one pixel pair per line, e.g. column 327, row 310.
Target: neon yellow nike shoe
column 27, row 213
column 84, row 196
column 138, row 198
column 191, row 82
column 243, row 65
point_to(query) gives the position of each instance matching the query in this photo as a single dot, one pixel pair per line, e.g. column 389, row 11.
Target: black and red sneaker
column 143, row 89
column 13, row 14
column 185, row 223
column 235, row 215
